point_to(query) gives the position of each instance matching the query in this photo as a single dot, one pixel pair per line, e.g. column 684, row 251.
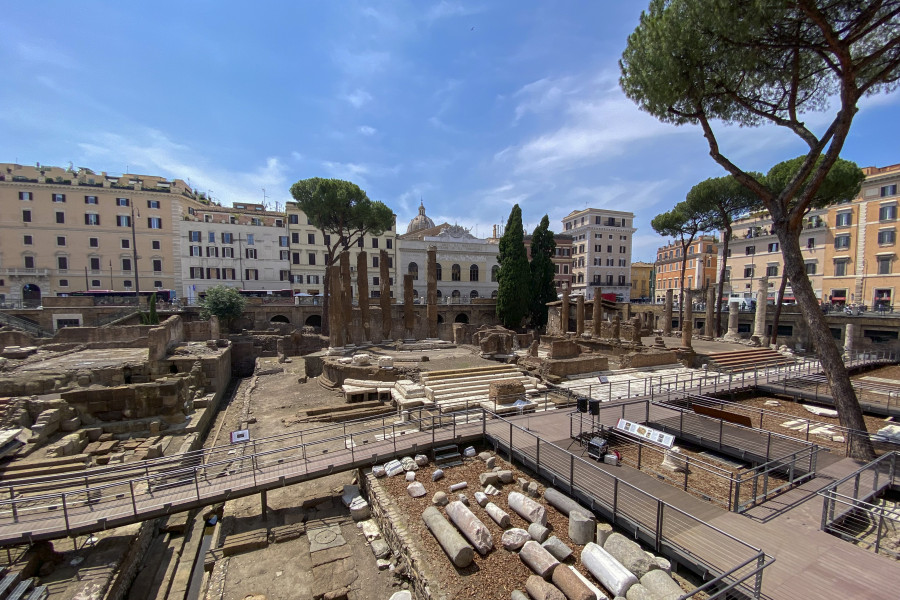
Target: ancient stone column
column 335, row 312
column 687, row 326
column 762, row 294
column 849, row 338
column 362, row 289
column 346, row 297
column 579, row 315
column 710, row 311
column 636, row 331
column 597, row 314
column 667, row 314
column 734, row 312
column 616, row 326
column 409, row 316
column 385, row 283
column 431, row 294
column 564, row 312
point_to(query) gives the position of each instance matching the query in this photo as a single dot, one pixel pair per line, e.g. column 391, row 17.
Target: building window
column 844, row 219
column 284, row 275
column 126, row 264
column 455, row 273
column 95, row 263
column 884, row 265
column 888, row 212
column 327, row 240
column 152, row 203
column 212, row 251
column 810, row 268
column 25, row 196
column 94, row 242
column 251, row 274
column 295, row 238
column 359, row 242
column 748, row 271
column 312, row 258
column 840, row 268
column 889, row 190
column 773, row 247
column 59, row 197
column 26, row 216
column 157, row 283
column 60, row 240
column 249, row 252
column 60, row 217
column 126, row 243
column 375, row 261
column 227, row 238
column 228, row 252
column 811, row 243
column 123, row 221
column 194, row 236
column 211, row 236
column 196, row 273
column 155, row 244
column 279, row 223
column 750, row 250
column 311, row 239
column 154, row 222
column 293, row 219
column 95, row 283
column 29, row 262
column 295, row 258
column 196, row 251
column 282, row 241
column 842, row 242
column 90, row 199
column 122, row 202
column 374, row 242
column 887, row 237
column 413, row 270
column 63, row 283
column 62, row 263
column 473, row 273
column 772, row 271
column 27, row 240
column 284, row 255
column 389, row 243
column 250, row 240
column 91, row 219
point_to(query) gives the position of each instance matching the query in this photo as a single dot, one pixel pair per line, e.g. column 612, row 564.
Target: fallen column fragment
column 470, row 526
column 608, row 571
column 461, row 554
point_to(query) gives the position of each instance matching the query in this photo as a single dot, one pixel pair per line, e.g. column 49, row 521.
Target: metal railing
column 23, row 325
column 852, row 508
column 732, row 563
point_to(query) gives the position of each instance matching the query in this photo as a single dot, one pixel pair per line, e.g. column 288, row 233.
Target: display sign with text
column 646, row 433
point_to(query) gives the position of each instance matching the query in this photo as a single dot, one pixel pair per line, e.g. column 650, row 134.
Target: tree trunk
column 326, row 291
column 778, row 300
column 722, row 272
column 845, row 401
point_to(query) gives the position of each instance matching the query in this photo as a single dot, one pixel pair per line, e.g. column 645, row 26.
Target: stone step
column 471, row 392
column 484, row 380
column 451, row 373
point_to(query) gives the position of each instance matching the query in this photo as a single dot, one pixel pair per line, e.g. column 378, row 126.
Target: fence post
column 880, row 527
column 133, row 502
column 615, row 505
column 640, row 447
column 659, row 524
column 65, row 512
column 537, row 457
column 197, row 481
column 760, row 563
column 571, row 474
column 737, row 493
column 721, row 428
column 510, row 443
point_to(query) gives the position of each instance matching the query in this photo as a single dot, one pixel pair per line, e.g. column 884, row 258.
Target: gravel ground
column 498, row 573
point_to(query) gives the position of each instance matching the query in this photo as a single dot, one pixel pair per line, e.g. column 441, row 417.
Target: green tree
column 151, row 317
column 705, row 62
column 225, row 303
column 684, row 223
column 343, row 211
column 514, row 277
column 723, row 200
column 543, row 289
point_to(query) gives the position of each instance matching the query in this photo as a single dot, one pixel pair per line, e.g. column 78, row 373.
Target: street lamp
column 137, row 279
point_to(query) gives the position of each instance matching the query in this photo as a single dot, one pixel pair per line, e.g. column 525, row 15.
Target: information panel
column 647, row 433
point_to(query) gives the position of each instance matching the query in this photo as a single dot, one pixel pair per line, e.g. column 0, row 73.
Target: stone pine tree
column 711, row 63
column 543, row 290
column 223, row 302
column 513, row 295
column 342, row 211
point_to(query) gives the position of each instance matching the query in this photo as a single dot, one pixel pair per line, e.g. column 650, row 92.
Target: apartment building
column 67, row 230
column 861, row 256
column 562, row 260
column 243, row 246
column 700, row 271
column 754, row 251
column 601, row 251
column 643, row 282
column 309, row 255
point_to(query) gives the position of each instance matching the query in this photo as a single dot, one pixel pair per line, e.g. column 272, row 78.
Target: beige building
column 601, row 251
column 701, row 267
column 67, row 230
column 861, row 256
column 642, row 281
column 309, row 255
column 754, row 252
column 242, row 246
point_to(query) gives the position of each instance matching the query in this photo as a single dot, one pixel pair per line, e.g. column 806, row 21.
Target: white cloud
column 541, row 96
column 367, row 130
column 445, row 9
column 357, row 98
column 358, row 173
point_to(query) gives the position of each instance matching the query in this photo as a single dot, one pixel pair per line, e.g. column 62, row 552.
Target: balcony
column 21, row 272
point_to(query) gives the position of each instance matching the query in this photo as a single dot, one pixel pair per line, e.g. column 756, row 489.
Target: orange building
column 700, row 271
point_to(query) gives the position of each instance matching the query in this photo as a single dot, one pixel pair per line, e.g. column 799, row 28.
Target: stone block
column 487, row 479
column 557, row 548
column 499, row 516
column 607, row 570
column 661, row 585
column 570, row 584
column 471, row 527
column 582, row 527
column 415, row 489
column 629, row 554
column 538, row 559
column 514, row 539
column 505, row 476
column 527, row 508
column 542, row 590
column 538, row 532
column 505, row 391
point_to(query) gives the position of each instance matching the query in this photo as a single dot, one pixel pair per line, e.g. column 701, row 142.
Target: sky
column 469, row 107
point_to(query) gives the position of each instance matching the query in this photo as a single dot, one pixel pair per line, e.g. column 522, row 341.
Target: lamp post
column 137, row 279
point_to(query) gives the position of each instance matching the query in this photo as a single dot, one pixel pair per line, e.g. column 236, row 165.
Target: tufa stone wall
column 159, row 338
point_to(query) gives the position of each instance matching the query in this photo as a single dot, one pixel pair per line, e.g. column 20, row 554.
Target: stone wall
column 200, row 331
column 130, row 336
column 13, row 337
column 160, row 338
column 647, row 359
column 392, row 522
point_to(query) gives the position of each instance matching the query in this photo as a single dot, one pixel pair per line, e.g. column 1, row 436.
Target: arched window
column 454, row 294
column 414, row 271
column 581, row 278
column 495, row 270
column 494, row 294
column 415, row 293
column 439, row 294
column 439, row 272
column 473, row 273
column 455, row 273
column 473, row 294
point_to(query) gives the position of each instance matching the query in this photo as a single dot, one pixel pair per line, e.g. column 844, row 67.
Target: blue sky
column 472, row 107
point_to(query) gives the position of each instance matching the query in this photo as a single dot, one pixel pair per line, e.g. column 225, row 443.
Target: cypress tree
column 543, row 290
column 513, row 295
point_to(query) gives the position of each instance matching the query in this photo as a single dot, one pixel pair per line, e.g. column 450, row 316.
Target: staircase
column 25, row 325
column 457, row 388
column 12, row 587
column 447, row 456
column 747, row 360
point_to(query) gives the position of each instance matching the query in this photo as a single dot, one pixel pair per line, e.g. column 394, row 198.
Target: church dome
column 420, row 221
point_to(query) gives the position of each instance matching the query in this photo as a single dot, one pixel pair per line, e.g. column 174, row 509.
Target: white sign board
column 647, row 433
column 241, row 435
column 603, row 379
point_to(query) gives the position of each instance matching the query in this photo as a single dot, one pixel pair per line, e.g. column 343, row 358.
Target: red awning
column 838, row 298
